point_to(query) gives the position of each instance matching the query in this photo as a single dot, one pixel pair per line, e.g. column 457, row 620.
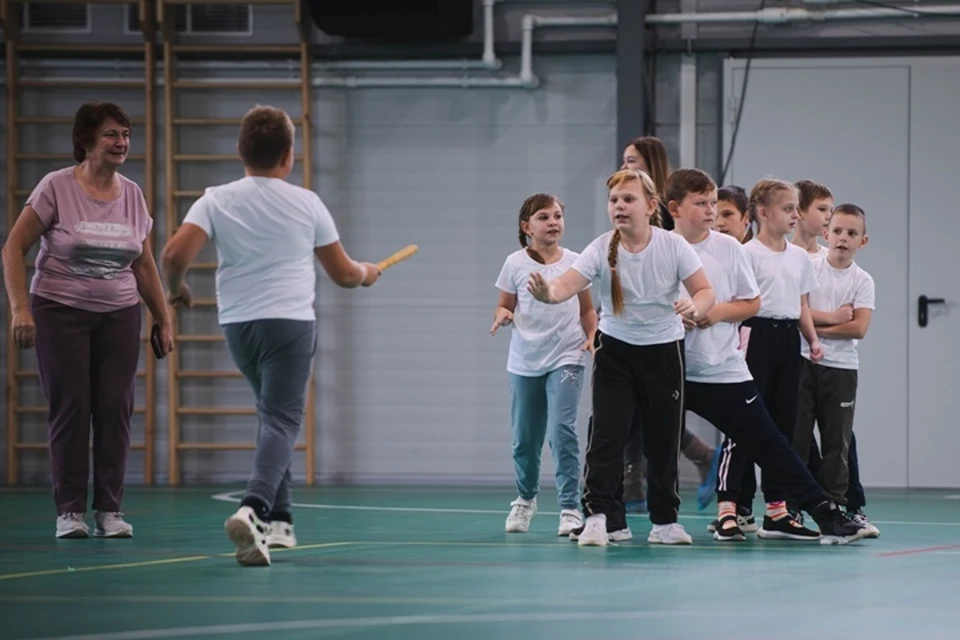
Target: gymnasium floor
column 431, row 563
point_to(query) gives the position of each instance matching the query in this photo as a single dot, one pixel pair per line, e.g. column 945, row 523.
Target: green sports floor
column 429, row 563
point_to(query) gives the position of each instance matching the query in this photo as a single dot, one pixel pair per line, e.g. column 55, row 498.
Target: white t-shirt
column 544, row 337
column 265, row 231
column 783, row 276
column 838, row 287
column 714, row 354
column 651, row 281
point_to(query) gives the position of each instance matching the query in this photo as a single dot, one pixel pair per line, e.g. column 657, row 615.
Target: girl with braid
column 638, row 353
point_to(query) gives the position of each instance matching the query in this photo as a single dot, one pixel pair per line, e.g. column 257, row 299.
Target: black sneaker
column 785, row 528
column 728, row 534
column 745, row 520
column 836, row 526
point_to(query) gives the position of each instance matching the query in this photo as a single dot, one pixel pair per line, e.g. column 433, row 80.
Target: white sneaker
column 281, row 535
column 110, row 524
column 669, row 534
column 620, row 535
column 861, row 519
column 249, row 534
column 71, row 525
column 594, row 532
column 570, row 519
column 521, row 513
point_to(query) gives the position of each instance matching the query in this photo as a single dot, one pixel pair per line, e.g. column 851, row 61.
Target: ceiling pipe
column 784, row 15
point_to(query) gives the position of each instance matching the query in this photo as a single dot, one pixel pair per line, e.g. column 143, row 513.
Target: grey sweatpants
column 276, row 357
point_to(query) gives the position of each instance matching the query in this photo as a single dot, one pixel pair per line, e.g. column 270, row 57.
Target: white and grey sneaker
column 570, row 519
column 281, row 535
column 110, row 524
column 620, row 535
column 861, row 519
column 521, row 513
column 594, row 533
column 249, row 534
column 71, row 525
column 669, row 534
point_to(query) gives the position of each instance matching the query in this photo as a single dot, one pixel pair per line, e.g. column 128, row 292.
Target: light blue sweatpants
column 546, row 406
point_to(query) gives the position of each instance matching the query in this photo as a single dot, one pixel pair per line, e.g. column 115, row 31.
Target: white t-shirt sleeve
column 687, row 260
column 864, row 297
column 506, row 281
column 746, row 282
column 590, row 263
column 325, row 232
column 808, row 279
column 199, row 214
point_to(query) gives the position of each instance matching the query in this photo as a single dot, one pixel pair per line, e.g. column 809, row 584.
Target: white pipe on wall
column 531, row 21
column 783, row 15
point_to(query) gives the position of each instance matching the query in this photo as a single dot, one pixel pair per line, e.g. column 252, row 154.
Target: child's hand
column 843, row 315
column 816, row 351
column 709, row 320
column 588, row 344
column 539, row 287
column 686, row 309
column 501, row 318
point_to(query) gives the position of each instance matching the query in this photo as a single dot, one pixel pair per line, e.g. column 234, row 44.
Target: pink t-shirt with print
column 89, row 245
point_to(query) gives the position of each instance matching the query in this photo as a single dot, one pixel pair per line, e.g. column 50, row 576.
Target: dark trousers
column 629, row 380
column 88, row 366
column 276, row 358
column 773, row 356
column 827, row 399
column 856, row 497
column 740, row 414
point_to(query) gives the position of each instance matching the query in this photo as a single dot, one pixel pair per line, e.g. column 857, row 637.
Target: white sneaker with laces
column 669, row 534
column 594, row 532
column 570, row 519
column 249, row 534
column 110, row 524
column 521, row 513
column 281, row 535
column 620, row 535
column 71, row 525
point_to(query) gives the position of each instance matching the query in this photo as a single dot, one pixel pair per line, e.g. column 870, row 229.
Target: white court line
column 233, row 496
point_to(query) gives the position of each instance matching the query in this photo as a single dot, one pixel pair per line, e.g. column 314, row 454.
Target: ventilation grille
column 55, row 16
column 205, row 19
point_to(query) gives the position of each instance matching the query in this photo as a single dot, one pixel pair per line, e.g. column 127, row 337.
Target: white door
column 846, row 124
column 934, row 441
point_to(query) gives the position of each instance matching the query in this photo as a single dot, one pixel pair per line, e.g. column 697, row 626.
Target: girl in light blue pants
column 545, row 364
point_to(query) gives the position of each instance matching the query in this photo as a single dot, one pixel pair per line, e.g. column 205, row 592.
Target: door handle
column 923, row 304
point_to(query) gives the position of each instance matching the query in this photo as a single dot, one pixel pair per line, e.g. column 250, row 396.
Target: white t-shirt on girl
column 651, row 282
column 544, row 337
column 783, row 276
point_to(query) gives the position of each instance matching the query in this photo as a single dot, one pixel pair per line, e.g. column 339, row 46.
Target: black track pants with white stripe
column 738, row 411
column 648, row 380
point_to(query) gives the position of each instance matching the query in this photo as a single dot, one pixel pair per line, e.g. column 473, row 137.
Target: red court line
column 910, row 552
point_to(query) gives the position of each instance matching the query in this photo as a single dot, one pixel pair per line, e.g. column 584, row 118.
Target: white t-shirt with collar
column 839, row 287
column 713, row 355
column 651, row 281
column 544, row 337
column 265, row 231
column 783, row 276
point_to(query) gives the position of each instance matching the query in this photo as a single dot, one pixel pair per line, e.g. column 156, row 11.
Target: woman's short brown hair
column 266, row 137
column 87, row 122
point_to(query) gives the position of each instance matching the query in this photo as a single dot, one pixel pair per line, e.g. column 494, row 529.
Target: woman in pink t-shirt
column 83, row 313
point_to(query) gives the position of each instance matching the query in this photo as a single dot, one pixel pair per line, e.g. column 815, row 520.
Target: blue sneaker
column 707, row 491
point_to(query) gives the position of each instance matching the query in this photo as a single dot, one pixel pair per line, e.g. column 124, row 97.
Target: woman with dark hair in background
column 83, row 314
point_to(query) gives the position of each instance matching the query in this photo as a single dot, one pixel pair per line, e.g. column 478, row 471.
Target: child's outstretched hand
column 539, row 287
column 501, row 318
